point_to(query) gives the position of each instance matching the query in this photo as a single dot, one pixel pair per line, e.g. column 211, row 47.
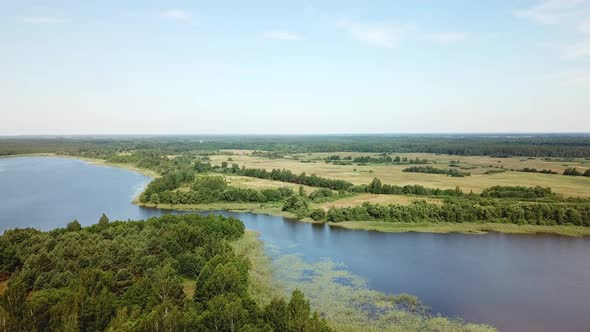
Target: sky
column 294, row 67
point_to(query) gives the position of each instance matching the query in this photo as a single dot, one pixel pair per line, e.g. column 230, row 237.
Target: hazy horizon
column 304, row 67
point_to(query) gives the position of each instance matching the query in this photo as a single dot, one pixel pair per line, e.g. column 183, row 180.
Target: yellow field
column 258, row 184
column 392, row 174
column 376, row 199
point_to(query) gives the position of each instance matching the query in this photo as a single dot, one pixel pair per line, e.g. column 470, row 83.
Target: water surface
column 514, row 282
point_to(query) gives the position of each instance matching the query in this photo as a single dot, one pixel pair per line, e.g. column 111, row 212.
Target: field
column 375, row 199
column 568, row 186
column 259, row 184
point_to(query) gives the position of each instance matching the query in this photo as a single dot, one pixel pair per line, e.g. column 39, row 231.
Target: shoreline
column 92, row 161
column 464, row 228
column 378, row 226
column 384, row 226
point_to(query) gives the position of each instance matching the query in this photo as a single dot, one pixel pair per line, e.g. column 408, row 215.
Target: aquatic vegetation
column 343, row 298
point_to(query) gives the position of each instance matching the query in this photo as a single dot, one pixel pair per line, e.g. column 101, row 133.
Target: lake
column 514, row 282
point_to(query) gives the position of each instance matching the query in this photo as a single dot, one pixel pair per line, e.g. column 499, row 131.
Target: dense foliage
column 382, row 158
column 534, row 170
column 468, row 211
column 128, row 276
column 209, row 189
column 574, row 172
column 435, row 170
column 376, row 187
column 542, row 145
column 518, row 192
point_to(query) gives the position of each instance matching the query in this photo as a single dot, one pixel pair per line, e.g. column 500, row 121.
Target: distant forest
column 541, row 145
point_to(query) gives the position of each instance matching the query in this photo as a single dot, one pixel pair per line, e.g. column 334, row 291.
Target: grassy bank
column 273, row 209
column 465, row 228
column 263, row 287
column 349, row 306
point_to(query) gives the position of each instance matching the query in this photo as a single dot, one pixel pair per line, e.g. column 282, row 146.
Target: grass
column 262, row 287
column 376, row 199
column 259, row 184
column 348, row 306
column 260, row 208
column 465, row 228
column 392, row 174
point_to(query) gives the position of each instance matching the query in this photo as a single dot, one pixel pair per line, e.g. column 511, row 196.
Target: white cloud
column 580, row 49
column 570, row 15
column 584, row 26
column 176, row 14
column 571, row 77
column 448, row 37
column 282, row 35
column 42, row 20
column 379, row 34
column 551, row 11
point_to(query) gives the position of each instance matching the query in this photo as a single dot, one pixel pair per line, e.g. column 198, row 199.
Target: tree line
column 284, row 175
column 382, row 158
column 574, row 172
column 518, row 192
column 436, row 170
column 534, row 170
column 128, row 276
column 553, row 146
column 465, row 211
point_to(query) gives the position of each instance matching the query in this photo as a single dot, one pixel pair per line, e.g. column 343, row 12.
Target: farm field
column 569, row 186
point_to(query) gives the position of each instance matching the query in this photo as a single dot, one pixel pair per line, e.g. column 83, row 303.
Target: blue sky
column 165, row 67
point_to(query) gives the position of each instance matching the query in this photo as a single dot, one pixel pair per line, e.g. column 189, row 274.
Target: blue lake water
column 514, row 282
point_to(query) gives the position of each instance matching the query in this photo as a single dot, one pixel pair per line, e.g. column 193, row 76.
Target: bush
column 572, row 172
column 296, row 204
column 317, row 214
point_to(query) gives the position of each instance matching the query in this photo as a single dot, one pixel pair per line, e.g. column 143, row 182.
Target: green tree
column 103, row 220
column 225, row 312
column 73, row 226
column 299, row 311
column 375, row 186
column 155, row 198
column 276, row 314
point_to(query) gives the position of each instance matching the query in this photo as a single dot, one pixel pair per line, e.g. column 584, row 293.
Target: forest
column 128, row 276
column 540, row 145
